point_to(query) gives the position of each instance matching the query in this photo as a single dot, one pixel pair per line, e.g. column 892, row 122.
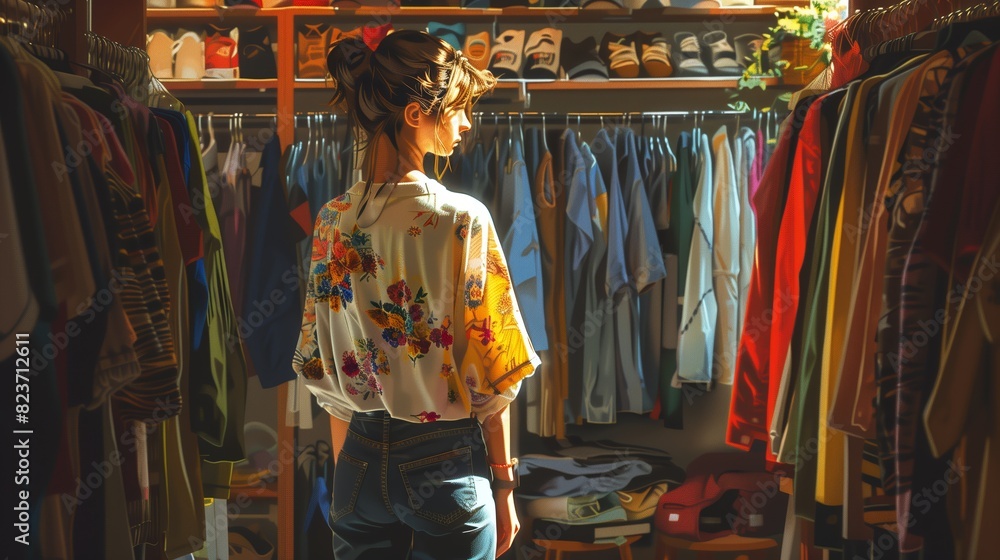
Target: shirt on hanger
column 695, row 349
column 754, row 378
column 726, row 257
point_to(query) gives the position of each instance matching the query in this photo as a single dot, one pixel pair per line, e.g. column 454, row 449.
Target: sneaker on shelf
column 621, row 56
column 159, row 47
column 696, row 4
column 602, row 4
column 453, row 34
column 477, row 49
column 189, row 56
column 222, row 61
column 581, row 61
column 654, row 52
column 541, row 54
column 257, row 54
column 312, row 45
column 687, row 56
column 721, row 54
column 507, row 56
column 248, row 544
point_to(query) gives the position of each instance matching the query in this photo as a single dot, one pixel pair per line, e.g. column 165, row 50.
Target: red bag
column 715, row 504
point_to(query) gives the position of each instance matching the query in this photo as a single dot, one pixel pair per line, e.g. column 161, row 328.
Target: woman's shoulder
column 464, row 204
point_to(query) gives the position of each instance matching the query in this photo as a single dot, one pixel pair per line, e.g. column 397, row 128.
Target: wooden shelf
column 208, row 85
column 312, row 84
column 255, row 492
column 324, row 84
column 615, row 84
column 517, row 13
column 640, row 83
column 175, row 14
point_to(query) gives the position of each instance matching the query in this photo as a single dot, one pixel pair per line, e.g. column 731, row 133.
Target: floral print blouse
column 415, row 314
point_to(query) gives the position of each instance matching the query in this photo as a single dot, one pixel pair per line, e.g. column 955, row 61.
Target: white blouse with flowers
column 414, row 314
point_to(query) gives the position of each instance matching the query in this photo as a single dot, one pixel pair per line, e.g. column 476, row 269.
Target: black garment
column 271, row 266
column 256, row 54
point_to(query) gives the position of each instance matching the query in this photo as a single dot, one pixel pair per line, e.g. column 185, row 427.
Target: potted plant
column 795, row 49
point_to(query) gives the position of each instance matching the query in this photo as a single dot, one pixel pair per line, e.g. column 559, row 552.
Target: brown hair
column 373, row 87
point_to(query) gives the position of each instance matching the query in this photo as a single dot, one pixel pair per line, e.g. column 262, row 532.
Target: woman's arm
column 496, row 432
column 338, row 433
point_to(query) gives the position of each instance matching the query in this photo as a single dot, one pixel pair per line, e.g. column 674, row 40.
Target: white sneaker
column 159, row 47
column 189, row 56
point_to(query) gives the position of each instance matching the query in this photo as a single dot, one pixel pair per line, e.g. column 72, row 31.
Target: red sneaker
column 221, row 58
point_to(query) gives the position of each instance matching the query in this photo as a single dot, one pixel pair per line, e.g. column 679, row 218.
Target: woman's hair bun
column 348, row 59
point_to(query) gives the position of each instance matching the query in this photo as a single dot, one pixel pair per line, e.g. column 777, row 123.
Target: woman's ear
column 412, row 114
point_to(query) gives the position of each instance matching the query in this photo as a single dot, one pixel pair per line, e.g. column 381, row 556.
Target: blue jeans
column 408, row 490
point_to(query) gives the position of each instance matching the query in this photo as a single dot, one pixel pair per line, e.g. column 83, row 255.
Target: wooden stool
column 730, row 547
column 554, row 549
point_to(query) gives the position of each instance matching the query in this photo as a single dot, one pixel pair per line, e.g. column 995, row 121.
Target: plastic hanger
column 510, row 133
column 211, row 130
column 293, row 154
column 545, row 142
column 321, row 139
column 308, row 146
column 520, row 128
column 201, row 132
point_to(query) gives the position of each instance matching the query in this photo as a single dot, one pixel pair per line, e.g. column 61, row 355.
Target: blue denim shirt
column 521, row 245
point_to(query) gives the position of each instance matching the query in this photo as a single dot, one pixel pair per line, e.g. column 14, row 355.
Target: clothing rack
column 34, row 26
column 504, row 113
column 130, row 65
column 33, row 22
column 877, row 25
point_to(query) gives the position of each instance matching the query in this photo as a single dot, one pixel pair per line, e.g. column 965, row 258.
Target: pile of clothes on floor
column 598, row 491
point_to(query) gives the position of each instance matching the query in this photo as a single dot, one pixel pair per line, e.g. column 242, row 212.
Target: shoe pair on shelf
column 191, row 57
column 314, row 41
column 711, row 55
column 639, row 54
column 537, row 58
column 223, row 54
column 475, row 47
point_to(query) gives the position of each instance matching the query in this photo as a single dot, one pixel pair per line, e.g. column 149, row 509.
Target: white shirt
column 410, row 309
column 696, row 345
column 726, row 250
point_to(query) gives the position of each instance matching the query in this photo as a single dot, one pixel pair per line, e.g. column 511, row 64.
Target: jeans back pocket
column 348, row 476
column 442, row 488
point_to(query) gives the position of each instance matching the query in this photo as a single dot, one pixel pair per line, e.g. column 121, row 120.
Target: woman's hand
column 507, row 523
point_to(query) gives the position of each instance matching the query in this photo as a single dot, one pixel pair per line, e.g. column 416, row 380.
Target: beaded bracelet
column 511, row 464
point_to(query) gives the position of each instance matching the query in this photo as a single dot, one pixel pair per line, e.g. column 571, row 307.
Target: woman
column 411, row 335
